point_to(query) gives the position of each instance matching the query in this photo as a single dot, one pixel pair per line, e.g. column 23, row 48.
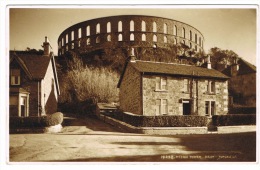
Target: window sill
column 159, row 90
column 210, row 93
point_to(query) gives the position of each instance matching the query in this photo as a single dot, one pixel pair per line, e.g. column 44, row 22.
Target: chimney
column 132, row 56
column 208, row 62
column 46, row 46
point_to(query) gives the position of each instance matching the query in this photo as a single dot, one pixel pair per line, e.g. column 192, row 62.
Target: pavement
column 91, row 140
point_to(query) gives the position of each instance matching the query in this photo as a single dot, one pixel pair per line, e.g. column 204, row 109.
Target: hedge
column 160, row 121
column 234, row 119
column 36, row 122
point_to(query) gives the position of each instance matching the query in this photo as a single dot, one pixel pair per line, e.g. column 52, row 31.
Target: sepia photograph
column 143, row 83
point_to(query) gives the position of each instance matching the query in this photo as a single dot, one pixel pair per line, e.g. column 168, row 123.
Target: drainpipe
column 38, row 99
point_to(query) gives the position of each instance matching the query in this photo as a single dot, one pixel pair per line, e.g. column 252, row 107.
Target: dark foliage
column 27, row 122
column 234, row 119
column 160, row 121
column 54, row 119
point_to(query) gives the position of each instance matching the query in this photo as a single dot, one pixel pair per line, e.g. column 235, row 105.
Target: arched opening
column 108, row 37
column 154, row 27
column 120, row 37
column 143, row 37
column 165, row 28
column 79, row 33
column 72, row 35
column 108, row 27
column 88, row 30
column 183, row 32
column 190, row 35
column 154, row 38
column 132, row 37
column 67, row 38
column 165, row 39
column 132, row 25
column 175, row 30
column 97, row 39
column 143, row 26
column 88, row 41
column 120, row 25
column 98, row 28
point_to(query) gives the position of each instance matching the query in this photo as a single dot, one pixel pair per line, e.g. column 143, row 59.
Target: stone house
column 33, row 85
column 155, row 88
column 242, row 82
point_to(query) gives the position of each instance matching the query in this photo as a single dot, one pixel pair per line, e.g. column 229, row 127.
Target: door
column 23, row 106
column 186, row 108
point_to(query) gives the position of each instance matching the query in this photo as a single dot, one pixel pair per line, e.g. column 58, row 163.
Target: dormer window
column 15, row 76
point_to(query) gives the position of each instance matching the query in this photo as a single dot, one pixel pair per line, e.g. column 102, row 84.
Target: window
column 88, row 41
column 72, row 45
column 190, row 45
column 154, row 38
column 132, row 25
column 108, row 37
column 161, row 107
column 161, row 83
column 79, row 33
column 196, row 38
column 175, row 41
column 200, row 41
column 165, row 28
column 120, row 26
column 175, row 30
column 120, row 37
column 190, row 35
column 108, row 27
column 88, row 30
column 67, row 48
column 154, row 27
column 62, row 41
column 210, row 108
column 97, row 39
column 79, row 43
column 196, row 48
column 143, row 26
column 132, row 37
column 15, row 76
column 72, row 35
column 143, row 37
column 186, row 85
column 67, row 38
column 98, row 28
column 165, row 39
column 59, row 44
column 183, row 32
column 210, row 86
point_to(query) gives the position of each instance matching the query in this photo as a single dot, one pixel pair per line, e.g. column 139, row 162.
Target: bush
column 160, row 121
column 242, row 110
column 54, row 119
column 27, row 122
column 234, row 119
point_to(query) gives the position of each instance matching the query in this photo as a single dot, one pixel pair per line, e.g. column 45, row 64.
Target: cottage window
column 161, row 107
column 15, row 76
column 210, row 108
column 161, row 83
column 183, row 32
column 210, row 86
column 186, row 85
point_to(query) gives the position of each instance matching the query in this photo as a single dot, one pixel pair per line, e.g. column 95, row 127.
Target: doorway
column 186, row 108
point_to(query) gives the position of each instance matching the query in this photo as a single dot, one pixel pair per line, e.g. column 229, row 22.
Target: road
column 90, row 140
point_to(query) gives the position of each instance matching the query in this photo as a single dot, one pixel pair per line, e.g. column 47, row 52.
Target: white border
column 4, row 28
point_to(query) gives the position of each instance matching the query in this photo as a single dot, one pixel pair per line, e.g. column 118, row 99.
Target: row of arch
column 132, row 28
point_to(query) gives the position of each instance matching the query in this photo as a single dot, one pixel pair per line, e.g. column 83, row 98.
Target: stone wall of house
column 130, row 91
column 245, row 85
column 175, row 94
column 50, row 97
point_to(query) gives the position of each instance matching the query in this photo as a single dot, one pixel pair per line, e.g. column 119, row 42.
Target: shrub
column 160, row 121
column 27, row 122
column 54, row 119
column 234, row 119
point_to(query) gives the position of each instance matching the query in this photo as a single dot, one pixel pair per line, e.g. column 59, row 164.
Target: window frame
column 161, row 83
column 161, row 107
column 15, row 77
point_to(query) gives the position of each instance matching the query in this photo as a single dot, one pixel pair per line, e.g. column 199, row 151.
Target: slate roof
column 36, row 64
column 244, row 68
column 173, row 69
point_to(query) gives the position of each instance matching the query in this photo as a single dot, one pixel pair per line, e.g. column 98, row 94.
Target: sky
column 229, row 28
